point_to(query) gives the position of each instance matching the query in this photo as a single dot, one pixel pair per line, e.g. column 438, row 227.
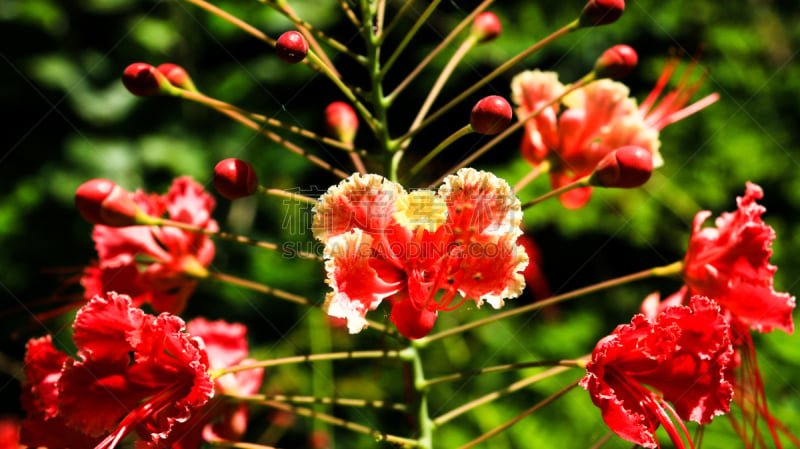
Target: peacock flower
column 597, row 119
column 730, row 263
column 419, row 249
column 682, row 355
column 134, row 372
column 159, row 265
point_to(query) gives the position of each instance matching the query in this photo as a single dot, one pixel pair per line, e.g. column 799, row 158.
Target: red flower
column 134, row 371
column 151, row 264
column 599, row 118
column 683, row 354
column 383, row 242
column 9, row 433
column 226, row 345
column 730, row 263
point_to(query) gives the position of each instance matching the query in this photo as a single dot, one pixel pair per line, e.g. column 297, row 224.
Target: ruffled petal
column 357, row 288
column 365, row 202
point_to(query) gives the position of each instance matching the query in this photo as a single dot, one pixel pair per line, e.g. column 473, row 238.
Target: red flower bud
column 103, row 202
column 486, row 27
column 291, row 47
column 234, row 179
column 627, row 167
column 341, row 121
column 601, row 12
column 144, row 80
column 616, row 63
column 490, row 115
column 177, row 76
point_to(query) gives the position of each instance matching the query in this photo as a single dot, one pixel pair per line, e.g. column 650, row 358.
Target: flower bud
column 616, row 63
column 291, row 47
column 234, row 179
column 177, row 76
column 103, row 202
column 601, row 12
column 627, row 167
column 341, row 121
column 144, row 80
column 490, row 115
column 486, row 27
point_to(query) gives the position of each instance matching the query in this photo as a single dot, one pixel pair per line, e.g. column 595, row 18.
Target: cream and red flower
column 134, row 372
column 683, row 355
column 597, row 119
column 152, row 264
column 381, row 241
column 730, row 263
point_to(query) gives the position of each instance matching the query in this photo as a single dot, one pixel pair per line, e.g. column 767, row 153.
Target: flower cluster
column 730, row 263
column 683, row 353
column 152, row 264
column 134, row 372
column 381, row 241
column 599, row 118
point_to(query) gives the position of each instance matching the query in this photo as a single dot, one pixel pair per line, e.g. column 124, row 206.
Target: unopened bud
column 625, row 168
column 235, row 178
column 341, row 121
column 177, row 76
column 601, row 12
column 103, row 202
column 486, row 27
column 144, row 80
column 616, row 63
column 490, row 115
column 291, row 47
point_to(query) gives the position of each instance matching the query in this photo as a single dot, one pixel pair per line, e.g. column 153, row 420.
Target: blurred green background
column 69, row 119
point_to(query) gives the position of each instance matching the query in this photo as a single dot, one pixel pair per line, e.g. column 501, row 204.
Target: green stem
column 448, row 69
column 583, row 182
column 310, row 32
column 499, row 369
column 349, row 13
column 267, row 290
column 236, row 238
column 347, row 355
column 662, row 271
column 365, row 113
column 284, row 143
column 494, row 74
column 224, row 15
column 322, row 377
column 603, row 440
column 217, row 104
column 286, row 194
column 542, row 167
column 441, row 46
column 588, row 78
column 426, row 425
column 339, row 422
column 411, row 33
column 514, row 387
column 255, row 286
column 344, row 402
column 380, row 127
column 397, row 18
column 519, row 417
column 433, row 153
